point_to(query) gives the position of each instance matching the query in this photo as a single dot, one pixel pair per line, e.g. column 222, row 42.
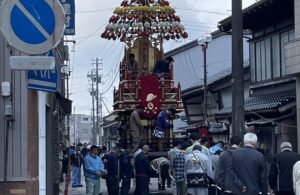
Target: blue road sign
column 32, row 26
column 69, row 8
column 28, row 11
column 44, row 80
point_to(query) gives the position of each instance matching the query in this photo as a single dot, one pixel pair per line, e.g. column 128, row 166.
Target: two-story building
column 271, row 107
column 189, row 71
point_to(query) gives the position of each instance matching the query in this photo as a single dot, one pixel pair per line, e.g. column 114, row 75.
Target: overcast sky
column 198, row 16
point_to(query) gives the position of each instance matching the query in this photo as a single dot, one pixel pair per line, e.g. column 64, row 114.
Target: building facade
column 81, row 129
column 271, row 107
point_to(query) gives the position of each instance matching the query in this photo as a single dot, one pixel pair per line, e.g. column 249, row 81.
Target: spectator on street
column 136, row 127
column 296, row 178
column 125, row 170
column 112, row 180
column 161, row 166
column 215, row 171
column 281, row 170
column 195, row 139
column 248, row 168
column 223, row 179
column 218, row 146
column 198, row 165
column 174, row 151
column 93, row 169
column 84, row 150
column 76, row 162
column 179, row 170
column 142, row 170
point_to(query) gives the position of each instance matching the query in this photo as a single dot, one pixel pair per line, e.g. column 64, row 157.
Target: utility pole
column 97, row 100
column 238, row 120
column 74, row 126
column 92, row 93
column 95, row 77
column 101, row 119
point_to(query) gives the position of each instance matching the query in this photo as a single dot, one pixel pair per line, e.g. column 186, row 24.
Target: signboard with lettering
column 69, row 8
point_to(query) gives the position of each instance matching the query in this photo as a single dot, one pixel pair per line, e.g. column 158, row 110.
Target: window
column 284, row 39
column 276, row 56
column 267, row 56
column 252, row 63
column 268, row 59
column 258, row 61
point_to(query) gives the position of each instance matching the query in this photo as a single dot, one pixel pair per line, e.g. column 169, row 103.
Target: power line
column 202, row 11
column 94, row 11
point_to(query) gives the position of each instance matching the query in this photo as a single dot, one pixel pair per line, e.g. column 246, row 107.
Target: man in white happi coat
column 192, row 161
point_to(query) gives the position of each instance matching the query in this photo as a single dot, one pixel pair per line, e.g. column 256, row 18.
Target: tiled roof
column 263, row 102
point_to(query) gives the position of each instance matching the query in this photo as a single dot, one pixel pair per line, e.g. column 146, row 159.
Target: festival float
column 143, row 26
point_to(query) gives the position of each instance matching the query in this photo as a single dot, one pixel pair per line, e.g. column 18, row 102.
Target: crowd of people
column 191, row 167
column 239, row 169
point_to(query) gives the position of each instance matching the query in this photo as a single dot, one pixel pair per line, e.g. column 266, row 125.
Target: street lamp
column 203, row 42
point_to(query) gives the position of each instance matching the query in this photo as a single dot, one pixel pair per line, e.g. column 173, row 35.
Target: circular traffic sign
column 32, row 26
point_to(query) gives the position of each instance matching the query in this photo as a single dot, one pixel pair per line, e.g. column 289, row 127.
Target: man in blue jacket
column 142, row 172
column 162, row 125
column 93, row 169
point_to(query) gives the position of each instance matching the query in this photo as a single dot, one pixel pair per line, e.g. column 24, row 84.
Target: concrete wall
column 17, row 132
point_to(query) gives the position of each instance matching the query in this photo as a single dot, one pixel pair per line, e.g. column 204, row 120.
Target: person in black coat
column 281, row 170
column 248, row 169
column 76, row 162
column 223, row 179
column 112, row 180
column 162, row 66
column 142, row 172
column 125, row 171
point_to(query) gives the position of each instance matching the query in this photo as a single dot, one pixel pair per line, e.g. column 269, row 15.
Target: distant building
column 81, row 129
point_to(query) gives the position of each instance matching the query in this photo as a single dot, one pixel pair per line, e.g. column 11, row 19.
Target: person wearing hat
column 281, row 170
column 94, row 168
column 162, row 125
column 162, row 66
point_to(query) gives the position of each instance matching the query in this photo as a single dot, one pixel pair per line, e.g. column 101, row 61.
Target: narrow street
column 81, row 190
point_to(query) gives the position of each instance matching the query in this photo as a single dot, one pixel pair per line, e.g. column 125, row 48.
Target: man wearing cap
column 94, row 167
column 162, row 66
column 281, row 170
column 248, row 169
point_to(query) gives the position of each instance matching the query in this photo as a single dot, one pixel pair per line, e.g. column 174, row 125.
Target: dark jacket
column 125, row 165
column 162, row 121
column 162, row 66
column 223, row 178
column 248, row 169
column 142, row 165
column 112, row 164
column 76, row 160
column 84, row 152
column 282, row 165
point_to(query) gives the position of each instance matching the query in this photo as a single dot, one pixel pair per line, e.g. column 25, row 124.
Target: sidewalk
column 81, row 190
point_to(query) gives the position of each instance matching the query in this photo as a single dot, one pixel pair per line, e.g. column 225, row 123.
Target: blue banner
column 69, row 7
